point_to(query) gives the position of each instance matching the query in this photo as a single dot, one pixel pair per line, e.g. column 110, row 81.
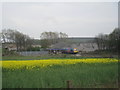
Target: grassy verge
column 61, row 56
column 81, row 75
column 64, row 56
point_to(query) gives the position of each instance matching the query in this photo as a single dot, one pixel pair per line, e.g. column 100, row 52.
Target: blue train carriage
column 70, row 51
column 64, row 51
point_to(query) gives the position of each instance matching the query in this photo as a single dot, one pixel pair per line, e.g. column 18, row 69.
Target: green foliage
column 44, row 43
column 33, row 49
column 81, row 75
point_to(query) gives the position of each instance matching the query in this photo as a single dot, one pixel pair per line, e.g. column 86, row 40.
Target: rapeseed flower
column 30, row 64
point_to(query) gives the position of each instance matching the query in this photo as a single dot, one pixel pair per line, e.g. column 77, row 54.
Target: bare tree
column 62, row 36
column 50, row 38
column 110, row 42
column 21, row 40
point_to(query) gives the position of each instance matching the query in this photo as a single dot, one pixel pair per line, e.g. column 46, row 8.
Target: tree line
column 109, row 42
column 24, row 42
column 21, row 40
column 50, row 38
column 105, row 42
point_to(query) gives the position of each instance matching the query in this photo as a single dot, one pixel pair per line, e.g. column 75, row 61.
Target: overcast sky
column 74, row 18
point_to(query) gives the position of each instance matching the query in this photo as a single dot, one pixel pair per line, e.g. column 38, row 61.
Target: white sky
column 74, row 18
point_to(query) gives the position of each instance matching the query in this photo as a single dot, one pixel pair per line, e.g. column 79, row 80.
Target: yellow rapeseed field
column 29, row 64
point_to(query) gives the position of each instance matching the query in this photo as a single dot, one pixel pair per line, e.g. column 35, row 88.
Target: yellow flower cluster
column 29, row 64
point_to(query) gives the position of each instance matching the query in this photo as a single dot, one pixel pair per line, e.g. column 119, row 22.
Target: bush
column 33, row 49
column 6, row 52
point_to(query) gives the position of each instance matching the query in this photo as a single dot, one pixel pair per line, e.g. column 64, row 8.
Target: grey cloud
column 75, row 19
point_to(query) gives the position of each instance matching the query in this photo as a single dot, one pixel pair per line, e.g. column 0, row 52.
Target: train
column 64, row 51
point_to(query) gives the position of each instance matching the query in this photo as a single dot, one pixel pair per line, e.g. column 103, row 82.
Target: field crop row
column 29, row 64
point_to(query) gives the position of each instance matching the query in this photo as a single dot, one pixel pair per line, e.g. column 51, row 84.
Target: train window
column 75, row 49
column 71, row 50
